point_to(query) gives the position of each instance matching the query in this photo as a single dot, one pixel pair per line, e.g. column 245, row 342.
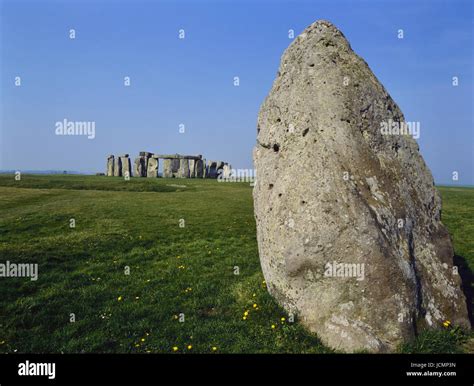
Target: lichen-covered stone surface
column 110, row 165
column 348, row 219
column 152, row 167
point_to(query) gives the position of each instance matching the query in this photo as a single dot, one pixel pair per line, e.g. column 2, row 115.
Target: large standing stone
column 192, row 168
column 167, row 168
column 126, row 165
column 183, row 171
column 110, row 165
column 227, row 171
column 118, row 167
column 153, row 165
column 348, row 219
column 211, row 169
column 199, row 168
column 175, row 165
column 146, row 156
column 140, row 167
column 220, row 165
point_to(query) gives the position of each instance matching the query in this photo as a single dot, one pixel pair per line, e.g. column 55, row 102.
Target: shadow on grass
column 467, row 279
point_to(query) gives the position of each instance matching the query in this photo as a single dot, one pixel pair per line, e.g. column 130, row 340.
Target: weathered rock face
column 183, row 171
column 152, row 170
column 211, row 169
column 199, row 168
column 140, row 167
column 146, row 156
column 126, row 165
column 110, row 165
column 118, row 167
column 175, row 164
column 204, row 168
column 167, row 168
column 226, row 171
column 348, row 220
column 192, row 168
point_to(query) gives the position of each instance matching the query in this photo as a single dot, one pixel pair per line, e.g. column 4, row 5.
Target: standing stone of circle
column 146, row 156
column 137, row 166
column 183, row 171
column 348, row 219
column 118, row 167
column 126, row 165
column 110, row 165
column 199, row 168
column 227, row 171
column 153, row 165
column 211, row 169
column 192, row 168
column 175, row 164
column 140, row 167
column 219, row 169
column 167, row 168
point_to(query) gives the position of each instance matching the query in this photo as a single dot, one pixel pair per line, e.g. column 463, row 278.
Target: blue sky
column 190, row 80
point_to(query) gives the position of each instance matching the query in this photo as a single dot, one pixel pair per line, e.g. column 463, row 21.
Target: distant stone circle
column 174, row 166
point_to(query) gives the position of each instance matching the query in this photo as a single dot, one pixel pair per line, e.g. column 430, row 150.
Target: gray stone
column 211, row 169
column 348, row 219
column 126, row 166
column 110, row 165
column 153, row 165
column 220, row 169
column 175, row 164
column 140, row 169
column 178, row 156
column 183, row 171
column 192, row 168
column 167, row 168
column 199, row 169
column 118, row 167
column 227, row 171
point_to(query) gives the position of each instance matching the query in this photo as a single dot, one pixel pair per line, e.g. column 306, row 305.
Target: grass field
column 183, row 242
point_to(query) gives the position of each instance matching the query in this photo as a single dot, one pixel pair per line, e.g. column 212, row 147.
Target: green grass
column 173, row 269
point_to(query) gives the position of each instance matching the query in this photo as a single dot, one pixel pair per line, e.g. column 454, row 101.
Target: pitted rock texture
column 333, row 191
column 110, row 165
